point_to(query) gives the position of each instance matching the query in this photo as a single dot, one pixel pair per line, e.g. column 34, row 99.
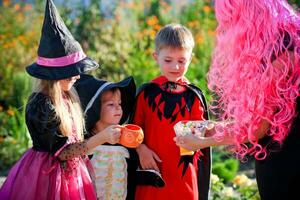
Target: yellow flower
column 242, row 181
column 163, row 4
column 149, row 32
column 6, row 3
column 17, row 6
column 227, row 192
column 21, row 37
column 199, row 39
column 139, row 35
column 13, row 141
column 157, row 27
column 6, row 46
column 10, row 112
column 149, row 51
column 206, row 9
column 193, row 24
column 151, row 21
column 131, row 5
column 27, row 7
column 152, row 33
column 20, row 17
column 118, row 17
column 214, row 178
column 211, row 32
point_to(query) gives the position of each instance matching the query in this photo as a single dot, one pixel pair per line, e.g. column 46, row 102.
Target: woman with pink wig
column 255, row 75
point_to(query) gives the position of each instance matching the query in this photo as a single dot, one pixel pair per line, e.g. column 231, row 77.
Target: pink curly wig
column 255, row 69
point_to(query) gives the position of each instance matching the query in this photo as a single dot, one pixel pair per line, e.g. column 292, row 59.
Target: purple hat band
column 61, row 61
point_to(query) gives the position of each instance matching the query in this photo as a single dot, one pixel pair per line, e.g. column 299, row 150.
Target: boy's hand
column 111, row 134
column 147, row 158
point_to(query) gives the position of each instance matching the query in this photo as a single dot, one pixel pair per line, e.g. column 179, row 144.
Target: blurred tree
column 295, row 2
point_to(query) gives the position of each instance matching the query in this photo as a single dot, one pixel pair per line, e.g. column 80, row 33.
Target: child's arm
column 109, row 135
column 148, row 158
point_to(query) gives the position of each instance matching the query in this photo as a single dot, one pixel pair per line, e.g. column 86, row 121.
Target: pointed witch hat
column 90, row 90
column 60, row 56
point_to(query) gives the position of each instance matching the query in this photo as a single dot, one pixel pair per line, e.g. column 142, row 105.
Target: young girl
column 56, row 166
column 107, row 104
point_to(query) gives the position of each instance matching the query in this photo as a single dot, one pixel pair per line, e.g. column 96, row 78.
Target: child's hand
column 148, row 158
column 111, row 134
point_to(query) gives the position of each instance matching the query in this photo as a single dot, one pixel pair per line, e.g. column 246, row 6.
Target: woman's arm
column 193, row 142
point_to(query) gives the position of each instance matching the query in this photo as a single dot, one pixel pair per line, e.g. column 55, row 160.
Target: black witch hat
column 90, row 89
column 60, row 56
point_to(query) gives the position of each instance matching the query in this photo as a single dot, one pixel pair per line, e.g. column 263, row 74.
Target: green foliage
column 124, row 44
column 296, row 3
column 21, row 89
column 226, row 169
column 19, row 34
column 241, row 188
column 14, row 139
column 224, row 165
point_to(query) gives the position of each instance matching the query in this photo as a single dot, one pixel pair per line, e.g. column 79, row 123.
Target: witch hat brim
column 90, row 90
column 60, row 56
column 58, row 73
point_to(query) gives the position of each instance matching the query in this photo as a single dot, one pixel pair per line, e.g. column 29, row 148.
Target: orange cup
column 131, row 136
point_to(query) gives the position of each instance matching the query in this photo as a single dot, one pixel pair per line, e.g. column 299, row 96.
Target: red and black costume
column 158, row 109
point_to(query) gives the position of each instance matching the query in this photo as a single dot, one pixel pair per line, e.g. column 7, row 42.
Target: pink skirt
column 39, row 175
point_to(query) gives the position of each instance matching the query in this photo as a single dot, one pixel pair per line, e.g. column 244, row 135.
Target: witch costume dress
column 47, row 176
column 158, row 109
column 56, row 167
column 111, row 163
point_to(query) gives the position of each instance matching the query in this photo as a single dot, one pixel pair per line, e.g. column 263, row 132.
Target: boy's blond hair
column 174, row 36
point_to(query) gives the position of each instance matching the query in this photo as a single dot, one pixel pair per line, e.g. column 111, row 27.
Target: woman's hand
column 191, row 142
column 148, row 158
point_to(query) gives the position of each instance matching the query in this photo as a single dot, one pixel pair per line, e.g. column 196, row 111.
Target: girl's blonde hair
column 67, row 106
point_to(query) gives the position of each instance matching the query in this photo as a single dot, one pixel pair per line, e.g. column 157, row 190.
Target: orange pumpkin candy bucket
column 131, row 135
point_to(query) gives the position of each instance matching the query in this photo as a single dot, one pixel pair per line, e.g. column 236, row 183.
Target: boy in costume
column 162, row 103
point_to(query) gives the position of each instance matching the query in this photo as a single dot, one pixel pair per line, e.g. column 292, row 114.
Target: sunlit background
column 120, row 36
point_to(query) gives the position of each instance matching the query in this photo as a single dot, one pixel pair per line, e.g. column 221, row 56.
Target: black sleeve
column 87, row 134
column 204, row 162
column 43, row 125
column 201, row 97
column 133, row 160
